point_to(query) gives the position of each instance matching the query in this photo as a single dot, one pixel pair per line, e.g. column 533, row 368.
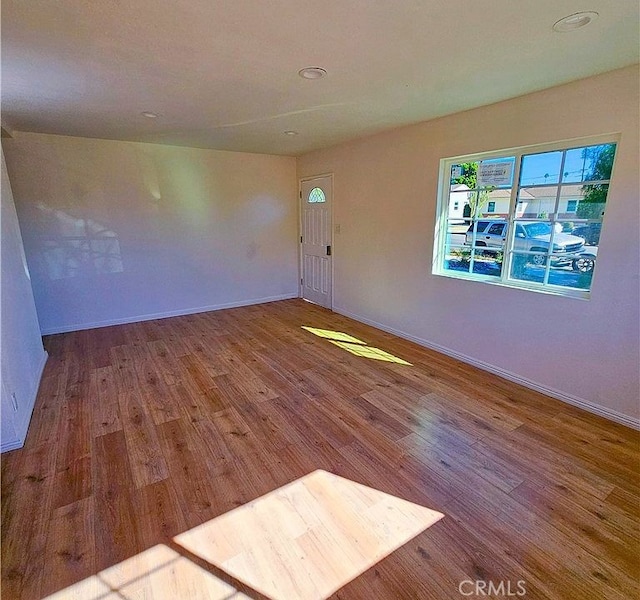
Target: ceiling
column 223, row 73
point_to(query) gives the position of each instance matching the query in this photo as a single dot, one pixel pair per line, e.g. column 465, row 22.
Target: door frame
column 300, row 229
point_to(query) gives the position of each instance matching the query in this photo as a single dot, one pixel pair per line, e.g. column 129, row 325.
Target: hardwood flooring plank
column 611, row 519
column 201, row 379
column 466, row 462
column 313, row 417
column 611, row 435
column 541, row 548
column 46, row 414
column 158, row 513
column 293, row 379
column 332, row 385
column 551, row 465
column 166, row 363
column 419, row 419
column 367, row 416
column 73, row 482
column 237, row 391
column 25, row 530
column 209, row 355
column 193, row 405
column 143, row 447
column 468, row 409
column 296, row 413
column 415, row 482
column 465, row 558
column 583, row 528
column 70, row 551
column 625, row 501
column 200, row 382
column 272, row 434
column 235, row 434
column 124, row 369
column 462, row 554
column 74, row 428
column 591, row 449
column 616, row 472
column 104, row 406
column 155, row 392
column 115, row 524
column 188, row 476
column 175, row 338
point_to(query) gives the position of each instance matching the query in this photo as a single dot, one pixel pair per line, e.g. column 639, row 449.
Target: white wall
column 121, row 231
column 585, row 352
column 22, row 354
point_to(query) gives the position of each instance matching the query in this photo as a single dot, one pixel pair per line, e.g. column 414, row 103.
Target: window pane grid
column 557, row 197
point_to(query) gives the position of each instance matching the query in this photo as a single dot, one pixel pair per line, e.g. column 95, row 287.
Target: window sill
column 573, row 293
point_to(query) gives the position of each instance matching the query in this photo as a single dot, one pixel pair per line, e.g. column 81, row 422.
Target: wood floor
column 144, row 432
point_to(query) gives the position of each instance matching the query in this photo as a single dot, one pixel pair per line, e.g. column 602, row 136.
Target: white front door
column 315, row 211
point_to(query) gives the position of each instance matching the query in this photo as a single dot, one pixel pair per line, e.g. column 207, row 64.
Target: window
column 316, row 195
column 532, row 216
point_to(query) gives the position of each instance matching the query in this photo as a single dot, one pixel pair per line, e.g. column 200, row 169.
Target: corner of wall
column 22, row 427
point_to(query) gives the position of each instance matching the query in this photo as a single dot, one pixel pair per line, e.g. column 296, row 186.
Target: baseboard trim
column 23, row 428
column 14, row 445
column 601, row 411
column 165, row 315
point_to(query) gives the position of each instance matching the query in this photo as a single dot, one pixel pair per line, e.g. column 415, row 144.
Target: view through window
column 526, row 218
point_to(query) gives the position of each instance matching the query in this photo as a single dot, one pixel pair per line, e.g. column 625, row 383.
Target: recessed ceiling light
column 575, row 21
column 291, row 132
column 312, row 72
column 149, row 115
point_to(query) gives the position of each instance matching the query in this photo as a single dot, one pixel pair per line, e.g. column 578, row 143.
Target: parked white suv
column 533, row 237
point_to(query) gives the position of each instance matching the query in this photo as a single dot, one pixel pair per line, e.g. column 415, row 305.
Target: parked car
column 590, row 232
column 535, row 236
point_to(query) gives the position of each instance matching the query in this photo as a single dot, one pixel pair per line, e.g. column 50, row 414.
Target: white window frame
column 442, row 217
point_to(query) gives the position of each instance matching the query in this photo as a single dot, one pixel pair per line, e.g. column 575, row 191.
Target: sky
column 544, row 168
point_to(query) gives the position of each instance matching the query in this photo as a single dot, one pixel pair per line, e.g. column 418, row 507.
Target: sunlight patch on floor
column 333, row 335
column 355, row 346
column 158, row 573
column 309, row 538
column 303, row 541
column 370, row 352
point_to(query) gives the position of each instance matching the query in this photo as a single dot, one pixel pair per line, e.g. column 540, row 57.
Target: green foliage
column 475, row 200
column 595, row 194
column 469, row 175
